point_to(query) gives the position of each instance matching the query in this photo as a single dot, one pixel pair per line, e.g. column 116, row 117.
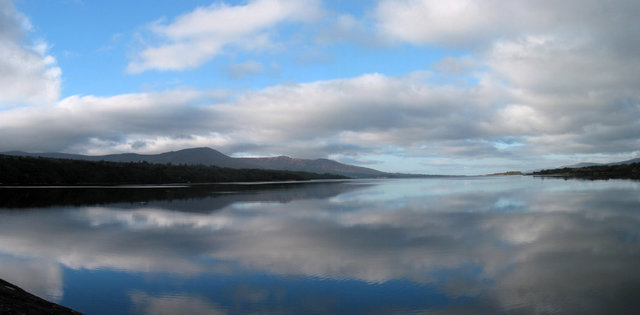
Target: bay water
column 455, row 245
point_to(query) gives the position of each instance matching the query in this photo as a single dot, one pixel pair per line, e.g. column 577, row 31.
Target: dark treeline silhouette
column 622, row 171
column 16, row 170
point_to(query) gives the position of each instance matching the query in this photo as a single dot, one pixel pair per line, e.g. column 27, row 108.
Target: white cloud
column 458, row 22
column 566, row 88
column 346, row 28
column 469, row 23
column 565, row 72
column 457, row 65
column 354, row 116
column 27, row 74
column 196, row 37
column 370, row 110
column 42, row 277
column 243, row 70
column 118, row 123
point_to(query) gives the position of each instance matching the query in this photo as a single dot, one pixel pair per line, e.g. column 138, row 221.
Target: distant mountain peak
column 197, row 149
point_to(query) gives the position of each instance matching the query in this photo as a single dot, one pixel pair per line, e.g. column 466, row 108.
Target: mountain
column 211, row 157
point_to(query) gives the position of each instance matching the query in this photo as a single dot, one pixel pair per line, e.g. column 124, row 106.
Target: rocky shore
column 15, row 301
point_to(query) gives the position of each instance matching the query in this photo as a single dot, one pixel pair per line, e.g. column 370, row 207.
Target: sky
column 419, row 86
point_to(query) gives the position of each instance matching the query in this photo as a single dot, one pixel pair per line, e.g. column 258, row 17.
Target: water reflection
column 42, row 278
column 204, row 197
column 172, row 304
column 516, row 245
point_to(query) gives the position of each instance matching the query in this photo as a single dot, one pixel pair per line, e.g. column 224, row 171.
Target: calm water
column 506, row 245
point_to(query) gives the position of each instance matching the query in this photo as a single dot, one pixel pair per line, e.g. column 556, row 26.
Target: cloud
column 369, row 110
column 543, row 77
column 565, row 71
column 368, row 113
column 92, row 124
column 473, row 24
column 345, row 28
column 324, row 117
column 567, row 88
column 457, row 65
column 192, row 39
column 242, row 70
column 40, row 277
column 27, row 74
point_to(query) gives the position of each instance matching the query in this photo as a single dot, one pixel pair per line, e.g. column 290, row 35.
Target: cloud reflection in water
column 515, row 244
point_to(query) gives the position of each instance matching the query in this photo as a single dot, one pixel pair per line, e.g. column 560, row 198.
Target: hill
column 211, row 157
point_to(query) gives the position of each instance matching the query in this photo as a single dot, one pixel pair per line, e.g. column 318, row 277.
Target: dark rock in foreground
column 14, row 300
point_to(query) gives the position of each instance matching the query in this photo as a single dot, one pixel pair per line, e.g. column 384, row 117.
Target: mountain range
column 211, row 157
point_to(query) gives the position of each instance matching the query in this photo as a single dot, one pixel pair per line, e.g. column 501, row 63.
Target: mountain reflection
column 515, row 245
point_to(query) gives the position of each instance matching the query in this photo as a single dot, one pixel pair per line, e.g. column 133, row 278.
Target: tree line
column 621, row 171
column 17, row 170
